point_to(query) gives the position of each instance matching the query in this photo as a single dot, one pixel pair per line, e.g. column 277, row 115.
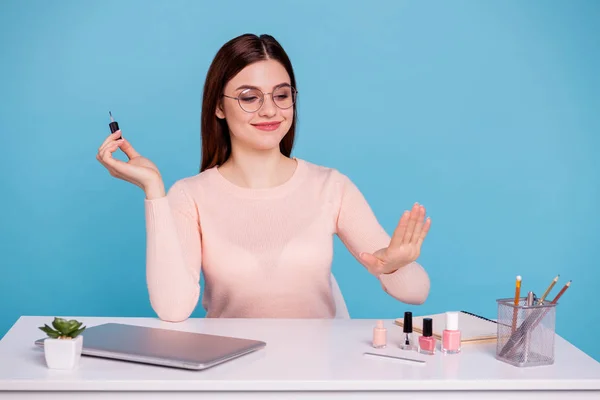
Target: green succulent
column 63, row 329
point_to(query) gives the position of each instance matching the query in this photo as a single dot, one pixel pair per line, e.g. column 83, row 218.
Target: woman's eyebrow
column 254, row 87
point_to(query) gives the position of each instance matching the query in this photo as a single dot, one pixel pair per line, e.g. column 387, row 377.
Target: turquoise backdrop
column 484, row 111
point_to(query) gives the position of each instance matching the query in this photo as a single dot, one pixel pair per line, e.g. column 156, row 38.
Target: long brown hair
column 234, row 56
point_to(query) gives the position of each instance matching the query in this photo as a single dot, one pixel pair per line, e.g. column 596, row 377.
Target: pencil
column 517, row 297
column 541, row 300
column 563, row 290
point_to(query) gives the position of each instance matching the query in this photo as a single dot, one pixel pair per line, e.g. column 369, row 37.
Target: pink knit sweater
column 265, row 253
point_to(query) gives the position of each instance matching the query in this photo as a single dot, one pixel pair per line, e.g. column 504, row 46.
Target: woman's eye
column 248, row 99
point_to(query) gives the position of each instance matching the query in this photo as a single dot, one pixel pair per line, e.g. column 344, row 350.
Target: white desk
column 303, row 358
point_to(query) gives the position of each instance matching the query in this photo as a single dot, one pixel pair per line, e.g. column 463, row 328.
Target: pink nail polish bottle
column 451, row 335
column 427, row 341
column 379, row 335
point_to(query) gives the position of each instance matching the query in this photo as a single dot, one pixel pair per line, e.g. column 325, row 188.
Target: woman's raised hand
column 137, row 170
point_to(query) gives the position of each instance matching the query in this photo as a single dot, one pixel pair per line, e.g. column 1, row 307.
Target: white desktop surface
column 303, row 358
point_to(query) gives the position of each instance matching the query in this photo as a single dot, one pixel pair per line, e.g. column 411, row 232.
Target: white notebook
column 473, row 328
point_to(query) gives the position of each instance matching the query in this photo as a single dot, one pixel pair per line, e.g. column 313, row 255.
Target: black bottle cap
column 427, row 327
column 408, row 328
column 114, row 126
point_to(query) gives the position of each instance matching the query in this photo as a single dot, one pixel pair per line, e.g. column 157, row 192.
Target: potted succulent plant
column 62, row 347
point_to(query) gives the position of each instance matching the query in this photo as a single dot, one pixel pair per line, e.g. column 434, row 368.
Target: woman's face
column 262, row 124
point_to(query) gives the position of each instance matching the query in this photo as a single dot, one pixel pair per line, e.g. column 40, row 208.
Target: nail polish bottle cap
column 452, row 320
column 408, row 328
column 379, row 324
column 427, row 327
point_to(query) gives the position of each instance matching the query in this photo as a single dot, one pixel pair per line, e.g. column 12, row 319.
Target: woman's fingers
column 128, row 149
column 110, row 138
column 400, row 230
column 109, row 148
column 106, row 158
column 125, row 146
column 419, row 225
column 410, row 227
column 412, row 222
column 424, row 232
column 109, row 144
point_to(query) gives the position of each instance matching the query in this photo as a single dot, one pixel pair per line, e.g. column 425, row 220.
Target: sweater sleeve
column 360, row 231
column 173, row 254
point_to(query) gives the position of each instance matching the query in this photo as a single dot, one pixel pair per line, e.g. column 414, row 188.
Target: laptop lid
column 188, row 350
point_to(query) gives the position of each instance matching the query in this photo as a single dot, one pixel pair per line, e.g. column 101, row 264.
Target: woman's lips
column 267, row 126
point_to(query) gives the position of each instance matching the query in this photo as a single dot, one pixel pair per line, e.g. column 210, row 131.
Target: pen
column 529, row 299
column 528, row 333
column 541, row 300
column 517, row 297
column 395, row 357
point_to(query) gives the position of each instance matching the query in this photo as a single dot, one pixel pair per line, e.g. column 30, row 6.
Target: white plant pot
column 63, row 353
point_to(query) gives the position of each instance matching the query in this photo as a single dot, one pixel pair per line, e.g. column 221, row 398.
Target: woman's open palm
column 405, row 244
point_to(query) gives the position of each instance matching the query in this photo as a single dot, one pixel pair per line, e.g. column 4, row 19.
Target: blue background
column 485, row 112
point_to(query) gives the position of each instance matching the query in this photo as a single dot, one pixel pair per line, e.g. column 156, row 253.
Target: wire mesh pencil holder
column 525, row 333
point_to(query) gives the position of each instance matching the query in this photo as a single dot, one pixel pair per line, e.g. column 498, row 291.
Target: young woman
column 257, row 222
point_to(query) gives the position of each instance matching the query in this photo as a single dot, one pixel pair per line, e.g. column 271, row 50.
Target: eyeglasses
column 251, row 100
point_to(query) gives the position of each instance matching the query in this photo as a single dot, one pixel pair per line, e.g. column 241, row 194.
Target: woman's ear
column 219, row 111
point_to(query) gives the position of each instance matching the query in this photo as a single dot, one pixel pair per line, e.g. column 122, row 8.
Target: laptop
column 164, row 347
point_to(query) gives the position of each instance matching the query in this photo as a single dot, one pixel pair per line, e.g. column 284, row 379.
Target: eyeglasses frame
column 294, row 93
